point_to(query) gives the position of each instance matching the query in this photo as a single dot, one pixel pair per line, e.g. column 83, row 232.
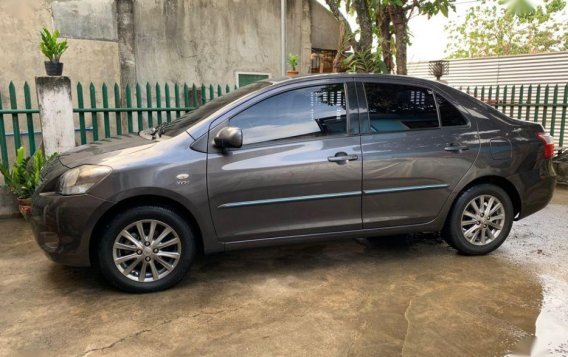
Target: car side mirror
column 229, row 137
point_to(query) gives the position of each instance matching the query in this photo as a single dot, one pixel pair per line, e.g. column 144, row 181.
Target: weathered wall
column 324, row 27
column 8, row 204
column 85, row 60
column 208, row 41
column 175, row 40
column 86, row 19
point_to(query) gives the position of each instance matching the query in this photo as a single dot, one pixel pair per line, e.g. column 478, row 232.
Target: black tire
column 162, row 214
column 453, row 233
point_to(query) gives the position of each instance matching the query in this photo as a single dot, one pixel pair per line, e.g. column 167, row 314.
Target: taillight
column 548, row 141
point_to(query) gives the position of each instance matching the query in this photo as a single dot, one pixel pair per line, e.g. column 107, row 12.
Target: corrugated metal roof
column 545, row 68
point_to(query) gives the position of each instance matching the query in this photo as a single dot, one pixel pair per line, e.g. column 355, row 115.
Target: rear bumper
column 62, row 226
column 536, row 190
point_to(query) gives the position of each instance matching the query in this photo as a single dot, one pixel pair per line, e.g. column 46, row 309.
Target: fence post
column 563, row 117
column 545, row 110
column 81, row 105
column 537, row 107
column 15, row 120
column 3, row 147
column 56, row 113
column 31, row 131
column 553, row 117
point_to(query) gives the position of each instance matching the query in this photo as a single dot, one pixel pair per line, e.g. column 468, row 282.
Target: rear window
column 395, row 107
column 449, row 114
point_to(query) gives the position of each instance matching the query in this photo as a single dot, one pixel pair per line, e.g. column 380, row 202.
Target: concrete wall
column 8, row 204
column 175, row 40
column 324, row 27
column 91, row 20
column 85, row 60
column 206, row 41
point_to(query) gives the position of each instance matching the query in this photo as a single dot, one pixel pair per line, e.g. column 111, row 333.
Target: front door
column 413, row 157
column 298, row 171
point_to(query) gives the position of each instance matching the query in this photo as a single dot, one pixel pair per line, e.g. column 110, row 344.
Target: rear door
column 298, row 171
column 411, row 162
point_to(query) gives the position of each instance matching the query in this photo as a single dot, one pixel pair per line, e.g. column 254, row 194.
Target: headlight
column 80, row 179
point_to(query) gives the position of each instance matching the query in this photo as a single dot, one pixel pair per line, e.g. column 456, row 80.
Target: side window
column 306, row 112
column 394, row 107
column 449, row 115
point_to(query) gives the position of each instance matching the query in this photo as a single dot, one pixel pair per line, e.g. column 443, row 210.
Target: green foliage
column 518, row 7
column 497, row 29
column 431, row 8
column 24, row 177
column 385, row 22
column 365, row 61
column 293, row 61
column 50, row 45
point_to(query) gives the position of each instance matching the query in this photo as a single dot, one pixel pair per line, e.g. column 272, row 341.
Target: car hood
column 117, row 153
column 100, row 151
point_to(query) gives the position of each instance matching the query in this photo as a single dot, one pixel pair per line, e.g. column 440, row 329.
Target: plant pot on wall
column 25, row 205
column 52, row 48
column 293, row 63
column 53, row 68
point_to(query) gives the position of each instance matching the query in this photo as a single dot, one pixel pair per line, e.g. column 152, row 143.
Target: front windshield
column 190, row 118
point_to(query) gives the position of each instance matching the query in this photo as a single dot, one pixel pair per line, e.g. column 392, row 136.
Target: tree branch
column 334, row 7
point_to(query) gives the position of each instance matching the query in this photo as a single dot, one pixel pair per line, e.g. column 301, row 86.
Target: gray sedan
column 294, row 160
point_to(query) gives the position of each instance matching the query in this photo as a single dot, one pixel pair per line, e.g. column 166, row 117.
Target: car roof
column 362, row 76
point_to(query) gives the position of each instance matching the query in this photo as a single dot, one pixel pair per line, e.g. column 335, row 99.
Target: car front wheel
column 480, row 220
column 145, row 249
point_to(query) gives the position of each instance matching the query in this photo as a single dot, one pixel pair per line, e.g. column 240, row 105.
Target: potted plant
column 293, row 63
column 24, row 177
column 52, row 48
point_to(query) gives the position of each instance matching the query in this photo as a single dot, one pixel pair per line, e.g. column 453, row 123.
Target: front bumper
column 62, row 225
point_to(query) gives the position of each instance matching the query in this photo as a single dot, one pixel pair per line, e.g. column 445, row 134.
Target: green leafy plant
column 365, row 62
column 25, row 175
column 493, row 28
column 50, row 45
column 293, row 61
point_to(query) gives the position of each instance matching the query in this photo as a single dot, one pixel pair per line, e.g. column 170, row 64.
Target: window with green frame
column 247, row 78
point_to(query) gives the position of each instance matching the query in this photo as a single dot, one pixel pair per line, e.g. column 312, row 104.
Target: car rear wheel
column 480, row 220
column 145, row 249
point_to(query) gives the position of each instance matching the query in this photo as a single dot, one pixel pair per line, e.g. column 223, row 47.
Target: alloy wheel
column 147, row 250
column 483, row 219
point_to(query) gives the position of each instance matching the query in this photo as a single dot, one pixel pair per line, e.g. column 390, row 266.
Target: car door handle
column 342, row 157
column 456, row 147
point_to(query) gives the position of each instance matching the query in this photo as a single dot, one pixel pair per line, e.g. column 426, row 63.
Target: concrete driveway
column 391, row 296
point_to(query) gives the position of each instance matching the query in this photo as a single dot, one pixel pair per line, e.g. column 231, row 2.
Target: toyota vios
column 293, row 160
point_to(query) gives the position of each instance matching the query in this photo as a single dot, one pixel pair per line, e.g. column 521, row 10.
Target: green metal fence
column 542, row 103
column 101, row 111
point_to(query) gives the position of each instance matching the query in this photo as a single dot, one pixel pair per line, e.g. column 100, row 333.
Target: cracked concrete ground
column 392, row 296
